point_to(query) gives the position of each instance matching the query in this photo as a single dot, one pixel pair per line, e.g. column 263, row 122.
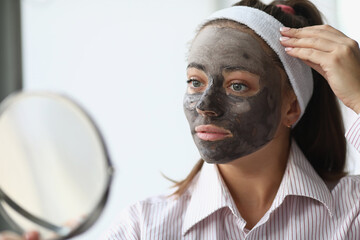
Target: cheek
column 239, row 106
column 262, row 109
column 189, row 105
column 190, row 101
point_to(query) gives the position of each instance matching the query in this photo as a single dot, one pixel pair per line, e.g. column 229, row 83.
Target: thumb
column 316, row 67
column 32, row 235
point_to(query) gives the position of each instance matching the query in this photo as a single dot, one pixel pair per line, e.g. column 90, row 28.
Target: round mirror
column 55, row 172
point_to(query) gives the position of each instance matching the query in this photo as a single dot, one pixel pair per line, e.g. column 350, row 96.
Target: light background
column 124, row 61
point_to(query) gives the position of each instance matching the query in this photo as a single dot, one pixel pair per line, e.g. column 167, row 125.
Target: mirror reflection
column 53, row 164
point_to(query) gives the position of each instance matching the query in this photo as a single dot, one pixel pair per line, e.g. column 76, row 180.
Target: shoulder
column 161, row 204
column 349, row 184
column 346, row 195
column 146, row 215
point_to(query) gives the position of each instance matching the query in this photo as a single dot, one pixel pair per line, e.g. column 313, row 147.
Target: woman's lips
column 212, row 133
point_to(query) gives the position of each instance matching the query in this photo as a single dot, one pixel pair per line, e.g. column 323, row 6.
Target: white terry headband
column 268, row 28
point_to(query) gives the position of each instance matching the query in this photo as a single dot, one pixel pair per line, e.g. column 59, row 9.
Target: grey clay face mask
column 251, row 121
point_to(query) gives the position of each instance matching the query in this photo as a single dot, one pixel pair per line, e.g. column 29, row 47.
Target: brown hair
column 320, row 132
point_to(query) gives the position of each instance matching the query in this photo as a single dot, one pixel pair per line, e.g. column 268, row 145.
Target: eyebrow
column 234, row 68
column 196, row 65
column 229, row 69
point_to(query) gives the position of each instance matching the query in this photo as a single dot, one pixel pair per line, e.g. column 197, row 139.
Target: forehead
column 217, row 48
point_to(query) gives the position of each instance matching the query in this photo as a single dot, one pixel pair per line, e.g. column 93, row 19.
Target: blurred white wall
column 124, row 61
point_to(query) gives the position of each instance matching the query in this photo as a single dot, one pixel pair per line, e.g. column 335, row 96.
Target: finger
column 10, row 236
column 314, row 30
column 325, row 32
column 324, row 27
column 313, row 58
column 309, row 54
column 316, row 67
column 316, row 43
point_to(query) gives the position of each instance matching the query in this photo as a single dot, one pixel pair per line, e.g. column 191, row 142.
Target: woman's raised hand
column 331, row 53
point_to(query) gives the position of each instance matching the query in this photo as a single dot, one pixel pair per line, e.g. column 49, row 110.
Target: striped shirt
column 304, row 208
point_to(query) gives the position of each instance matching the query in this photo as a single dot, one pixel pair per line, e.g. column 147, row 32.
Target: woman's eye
column 195, row 83
column 239, row 87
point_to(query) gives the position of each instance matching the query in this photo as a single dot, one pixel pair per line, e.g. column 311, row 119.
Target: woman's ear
column 292, row 110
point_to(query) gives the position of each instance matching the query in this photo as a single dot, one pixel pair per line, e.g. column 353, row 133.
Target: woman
column 269, row 133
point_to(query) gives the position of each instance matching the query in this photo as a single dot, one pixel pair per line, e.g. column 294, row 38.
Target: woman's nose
column 208, row 106
column 207, row 113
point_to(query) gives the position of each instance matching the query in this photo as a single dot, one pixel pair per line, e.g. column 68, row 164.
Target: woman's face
column 234, row 95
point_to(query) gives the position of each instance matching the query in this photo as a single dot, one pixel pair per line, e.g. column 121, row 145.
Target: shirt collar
column 300, row 179
column 209, row 193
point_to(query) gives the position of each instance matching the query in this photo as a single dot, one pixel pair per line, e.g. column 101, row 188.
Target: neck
column 253, row 181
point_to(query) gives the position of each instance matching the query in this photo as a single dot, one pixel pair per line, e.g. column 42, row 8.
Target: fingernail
column 284, row 29
column 284, row 38
column 288, row 49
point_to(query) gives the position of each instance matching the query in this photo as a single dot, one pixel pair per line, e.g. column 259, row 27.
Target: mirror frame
column 63, row 232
